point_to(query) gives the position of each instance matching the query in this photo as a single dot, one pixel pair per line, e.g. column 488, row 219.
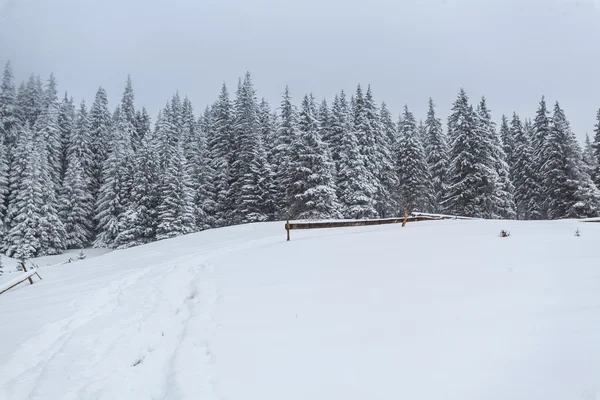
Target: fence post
column 406, row 215
column 25, row 270
column 287, row 226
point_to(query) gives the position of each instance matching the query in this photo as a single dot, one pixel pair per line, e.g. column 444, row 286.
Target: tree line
column 73, row 176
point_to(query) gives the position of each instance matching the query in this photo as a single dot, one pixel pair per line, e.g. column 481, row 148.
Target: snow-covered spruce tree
column 508, row 139
column 219, row 143
column 100, row 138
column 364, row 128
column 596, row 148
column 589, row 161
column 76, row 206
column 79, row 144
column 30, row 100
column 282, row 154
column 386, row 178
column 51, row 228
column 8, row 112
column 523, row 176
column 472, row 177
column 569, row 191
column 340, row 123
column 22, row 241
column 390, row 129
column 117, row 180
column 47, row 128
column 75, row 202
column 197, row 164
column 142, row 124
column 66, row 124
column 249, row 170
column 413, row 172
column 353, row 184
column 3, row 190
column 312, row 188
column 127, row 109
column 503, row 205
column 541, row 129
column 268, row 127
column 436, row 154
column 176, row 207
column 140, row 221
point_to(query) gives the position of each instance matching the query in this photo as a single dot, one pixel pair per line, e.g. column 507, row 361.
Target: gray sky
column 511, row 51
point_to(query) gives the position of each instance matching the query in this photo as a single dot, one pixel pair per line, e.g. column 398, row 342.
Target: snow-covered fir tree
column 365, row 128
column 66, row 124
column 415, row 181
column 353, row 184
column 502, row 201
column 268, row 127
column 140, row 220
column 282, row 154
column 436, row 154
column 249, row 169
column 472, row 179
column 22, row 241
column 75, row 209
column 312, row 188
column 596, row 148
column 526, row 192
column 8, row 111
column 30, row 100
column 569, row 191
column 117, row 180
column 541, row 128
column 100, row 140
column 176, row 208
column 588, row 158
column 220, row 148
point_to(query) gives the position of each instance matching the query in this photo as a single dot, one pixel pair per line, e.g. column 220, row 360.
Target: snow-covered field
column 435, row 310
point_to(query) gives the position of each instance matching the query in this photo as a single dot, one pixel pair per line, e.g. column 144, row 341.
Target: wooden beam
column 342, row 224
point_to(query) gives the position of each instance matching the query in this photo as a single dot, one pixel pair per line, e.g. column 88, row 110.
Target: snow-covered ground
column 435, row 310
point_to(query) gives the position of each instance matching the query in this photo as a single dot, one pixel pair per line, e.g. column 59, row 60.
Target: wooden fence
column 28, row 275
column 290, row 226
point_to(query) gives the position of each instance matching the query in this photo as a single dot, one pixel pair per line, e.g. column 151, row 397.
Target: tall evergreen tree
column 220, row 149
column 23, row 238
column 76, row 206
column 415, row 181
column 508, row 138
column 596, row 148
column 8, row 111
column 139, row 223
column 502, row 201
column 268, row 129
column 100, row 140
column 282, row 154
column 472, row 179
column 541, row 129
column 249, row 169
column 569, row 191
column 312, row 188
column 589, row 161
column 30, row 100
column 437, row 156
column 47, row 128
column 527, row 201
column 117, row 180
column 66, row 124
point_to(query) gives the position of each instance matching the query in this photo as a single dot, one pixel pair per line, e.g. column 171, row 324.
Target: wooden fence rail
column 20, row 279
column 289, row 226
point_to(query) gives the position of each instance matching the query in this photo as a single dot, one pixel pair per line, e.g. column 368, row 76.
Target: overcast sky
column 511, row 51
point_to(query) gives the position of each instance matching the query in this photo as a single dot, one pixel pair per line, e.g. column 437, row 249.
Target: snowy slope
column 436, row 310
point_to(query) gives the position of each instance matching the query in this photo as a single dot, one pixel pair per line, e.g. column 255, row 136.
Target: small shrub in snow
column 504, row 233
column 81, row 255
column 577, row 233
